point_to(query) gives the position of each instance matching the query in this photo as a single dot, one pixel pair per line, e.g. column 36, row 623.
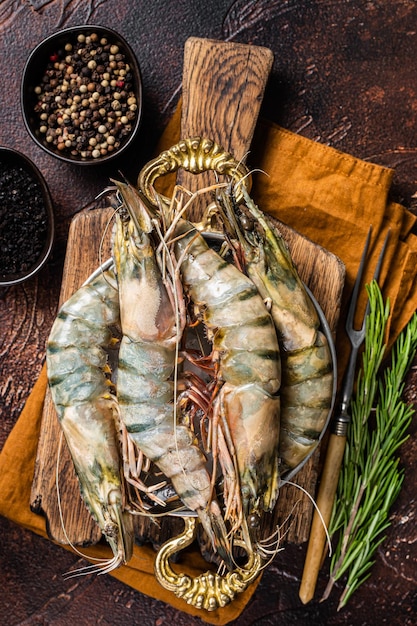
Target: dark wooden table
column 344, row 75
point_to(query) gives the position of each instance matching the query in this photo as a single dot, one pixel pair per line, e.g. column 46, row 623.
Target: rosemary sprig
column 370, row 478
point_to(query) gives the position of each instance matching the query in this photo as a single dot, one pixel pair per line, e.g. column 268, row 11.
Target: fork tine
column 358, row 334
column 381, row 255
column 377, row 273
column 355, row 292
column 356, row 337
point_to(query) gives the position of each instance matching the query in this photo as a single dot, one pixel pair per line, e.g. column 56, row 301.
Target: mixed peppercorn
column 86, row 104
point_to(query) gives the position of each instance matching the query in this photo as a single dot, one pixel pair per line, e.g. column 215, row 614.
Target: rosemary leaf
column 370, row 478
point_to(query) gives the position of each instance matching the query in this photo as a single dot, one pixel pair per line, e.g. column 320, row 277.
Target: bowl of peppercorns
column 26, row 218
column 81, row 94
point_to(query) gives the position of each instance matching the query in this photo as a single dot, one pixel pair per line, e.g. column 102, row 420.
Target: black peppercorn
column 23, row 220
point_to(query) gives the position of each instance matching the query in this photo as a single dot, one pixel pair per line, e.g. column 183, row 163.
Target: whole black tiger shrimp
column 147, row 379
column 308, row 368
column 77, row 366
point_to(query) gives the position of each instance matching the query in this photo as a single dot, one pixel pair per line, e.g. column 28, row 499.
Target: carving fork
column 337, row 439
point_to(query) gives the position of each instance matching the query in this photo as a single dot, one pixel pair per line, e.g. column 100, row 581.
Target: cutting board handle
column 222, row 92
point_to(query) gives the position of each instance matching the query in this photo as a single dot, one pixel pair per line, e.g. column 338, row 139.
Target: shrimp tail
column 213, row 524
column 251, row 412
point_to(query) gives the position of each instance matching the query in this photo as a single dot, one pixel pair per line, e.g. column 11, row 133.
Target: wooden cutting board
column 223, row 87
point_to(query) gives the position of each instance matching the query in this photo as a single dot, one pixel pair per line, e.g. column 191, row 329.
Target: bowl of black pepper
column 26, row 218
column 81, row 95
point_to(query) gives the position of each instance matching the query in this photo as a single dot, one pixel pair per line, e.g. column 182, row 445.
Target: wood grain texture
column 222, row 90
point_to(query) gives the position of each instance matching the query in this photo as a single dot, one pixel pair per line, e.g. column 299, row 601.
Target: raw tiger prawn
column 308, row 379
column 152, row 328
column 245, row 357
column 87, row 409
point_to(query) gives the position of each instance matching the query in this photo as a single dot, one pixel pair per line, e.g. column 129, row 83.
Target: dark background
column 345, row 75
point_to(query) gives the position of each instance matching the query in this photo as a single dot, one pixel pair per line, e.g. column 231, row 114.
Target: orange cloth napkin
column 330, row 197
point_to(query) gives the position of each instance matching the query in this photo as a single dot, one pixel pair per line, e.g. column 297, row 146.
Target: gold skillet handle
column 195, row 155
column 209, row 590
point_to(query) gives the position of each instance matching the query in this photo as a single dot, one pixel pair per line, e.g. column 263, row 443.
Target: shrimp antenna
column 242, row 161
column 179, row 213
column 242, row 180
column 270, row 550
column 113, row 189
column 289, row 482
column 274, row 539
column 105, row 191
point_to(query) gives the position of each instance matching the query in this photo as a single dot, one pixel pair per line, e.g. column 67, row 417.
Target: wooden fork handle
column 325, row 501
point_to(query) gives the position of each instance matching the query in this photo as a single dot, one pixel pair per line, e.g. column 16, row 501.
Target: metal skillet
column 211, row 589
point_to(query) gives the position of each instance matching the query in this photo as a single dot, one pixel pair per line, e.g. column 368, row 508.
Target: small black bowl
column 52, row 50
column 19, row 177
